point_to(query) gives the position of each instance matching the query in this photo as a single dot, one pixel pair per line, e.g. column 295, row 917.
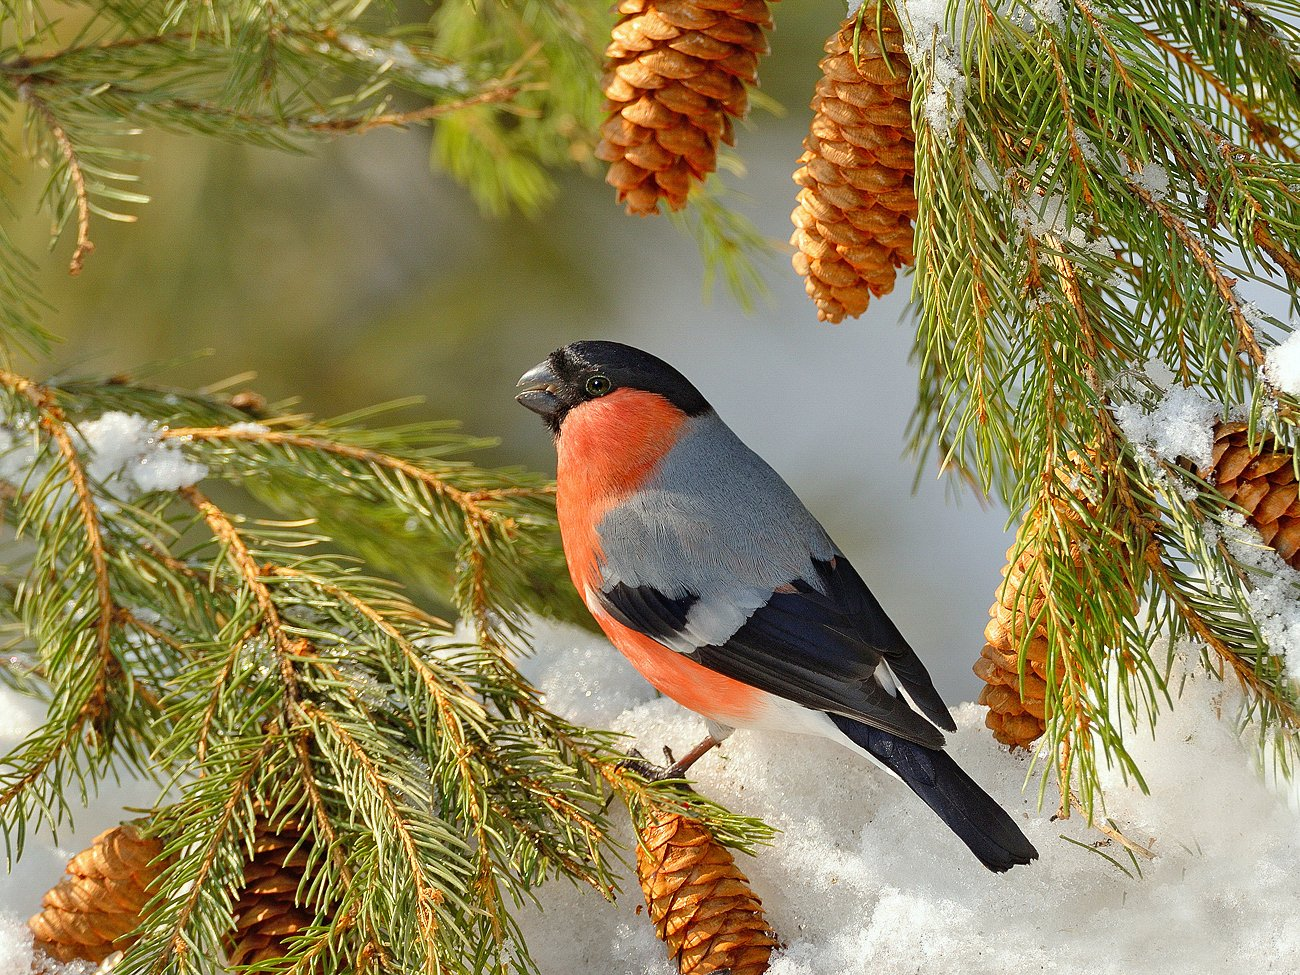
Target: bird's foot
column 673, row 769
column 651, row 772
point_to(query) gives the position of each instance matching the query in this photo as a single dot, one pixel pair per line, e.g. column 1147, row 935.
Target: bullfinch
column 703, row 567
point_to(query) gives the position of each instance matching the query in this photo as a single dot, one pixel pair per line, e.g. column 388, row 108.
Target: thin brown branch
column 1265, row 133
column 1245, row 674
column 480, row 518
column 362, row 124
column 53, row 421
column 1067, row 110
column 178, row 944
column 321, row 814
column 75, row 175
column 23, row 64
column 467, row 501
column 70, row 735
column 427, row 897
column 1284, row 258
column 241, row 559
column 128, row 618
column 451, row 725
column 1117, row 62
column 1210, row 267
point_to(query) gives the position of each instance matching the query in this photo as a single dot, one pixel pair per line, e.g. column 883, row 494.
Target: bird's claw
column 648, row 770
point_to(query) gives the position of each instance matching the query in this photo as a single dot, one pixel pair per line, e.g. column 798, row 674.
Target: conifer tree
column 351, row 783
column 1094, row 185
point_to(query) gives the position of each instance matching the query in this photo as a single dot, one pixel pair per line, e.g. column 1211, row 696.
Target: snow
column 399, row 55
column 17, row 454
column 862, row 879
column 45, row 856
column 126, row 451
column 1274, row 598
column 1153, row 178
column 123, row 454
column 1180, row 425
column 928, row 43
column 1282, row 365
column 931, row 45
column 245, row 426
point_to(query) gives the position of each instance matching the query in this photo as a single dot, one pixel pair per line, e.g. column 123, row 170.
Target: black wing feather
column 868, row 620
column 818, row 646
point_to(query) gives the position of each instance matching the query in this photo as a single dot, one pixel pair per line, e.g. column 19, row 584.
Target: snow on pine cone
column 701, row 904
column 1262, row 482
column 92, row 911
column 267, row 912
column 675, row 77
column 853, row 224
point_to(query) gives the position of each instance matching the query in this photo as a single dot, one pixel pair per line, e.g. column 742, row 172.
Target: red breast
column 607, row 449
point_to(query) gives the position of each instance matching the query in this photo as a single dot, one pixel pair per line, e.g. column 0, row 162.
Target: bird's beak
column 538, row 393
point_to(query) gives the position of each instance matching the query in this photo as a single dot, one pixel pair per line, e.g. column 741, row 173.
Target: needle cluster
column 1102, row 185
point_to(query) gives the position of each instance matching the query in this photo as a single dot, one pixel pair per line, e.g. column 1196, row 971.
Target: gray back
column 714, row 520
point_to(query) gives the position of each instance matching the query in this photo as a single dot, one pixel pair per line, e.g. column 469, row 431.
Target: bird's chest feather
column 607, row 450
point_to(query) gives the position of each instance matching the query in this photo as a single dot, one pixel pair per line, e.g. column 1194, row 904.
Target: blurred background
column 353, row 275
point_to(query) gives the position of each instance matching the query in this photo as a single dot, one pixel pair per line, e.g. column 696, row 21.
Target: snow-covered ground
column 863, row 879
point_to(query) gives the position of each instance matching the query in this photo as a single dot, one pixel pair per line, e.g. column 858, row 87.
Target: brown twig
column 1111, row 831
column 1245, row 674
column 224, row 531
column 54, row 422
column 75, row 174
column 1206, row 262
column 465, row 500
column 479, row 518
column 1265, row 133
column 1067, row 110
column 427, row 898
column 178, row 944
column 359, row 125
column 1284, row 258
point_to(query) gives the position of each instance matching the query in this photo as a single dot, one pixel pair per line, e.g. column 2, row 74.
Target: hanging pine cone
column 1015, row 717
column 1263, row 483
column 94, row 908
column 267, row 912
column 853, row 224
column 675, row 77
column 701, row 904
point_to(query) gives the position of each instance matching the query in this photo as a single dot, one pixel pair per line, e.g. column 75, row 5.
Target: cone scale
column 1262, row 482
column 267, row 912
column 92, row 911
column 853, row 224
column 676, row 76
column 700, row 902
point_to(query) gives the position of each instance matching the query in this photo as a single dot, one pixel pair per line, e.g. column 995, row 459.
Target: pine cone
column 701, row 904
column 1014, row 719
column 853, row 224
column 266, row 913
column 1263, row 483
column 94, row 908
column 675, row 77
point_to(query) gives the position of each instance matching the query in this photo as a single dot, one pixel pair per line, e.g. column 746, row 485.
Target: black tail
column 968, row 810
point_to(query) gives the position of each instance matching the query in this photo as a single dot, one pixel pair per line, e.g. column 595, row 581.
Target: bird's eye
column 598, row 385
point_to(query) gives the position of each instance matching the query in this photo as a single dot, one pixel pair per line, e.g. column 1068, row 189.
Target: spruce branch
column 283, row 681
column 76, row 175
column 1092, row 208
column 1196, row 248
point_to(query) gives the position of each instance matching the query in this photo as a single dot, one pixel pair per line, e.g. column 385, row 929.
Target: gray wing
column 735, row 573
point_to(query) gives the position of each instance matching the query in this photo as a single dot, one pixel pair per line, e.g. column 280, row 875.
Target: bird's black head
column 584, row 371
